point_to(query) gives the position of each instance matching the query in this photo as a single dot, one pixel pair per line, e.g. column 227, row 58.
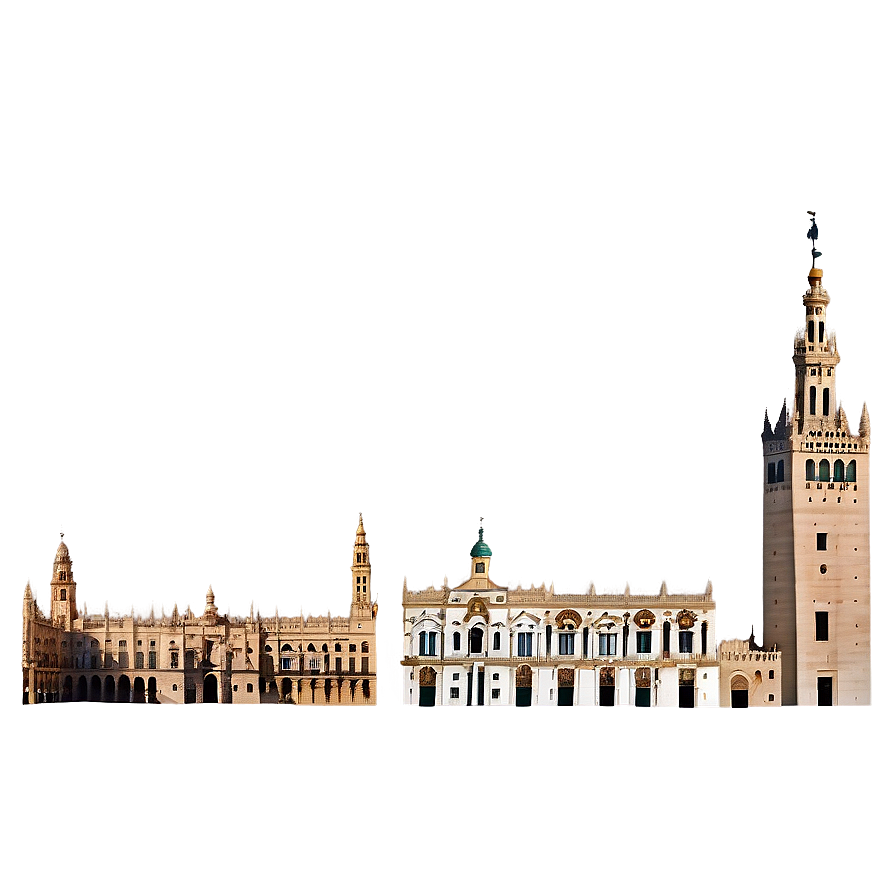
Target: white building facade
column 480, row 644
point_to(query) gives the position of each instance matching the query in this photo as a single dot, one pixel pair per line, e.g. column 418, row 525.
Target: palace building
column 206, row 658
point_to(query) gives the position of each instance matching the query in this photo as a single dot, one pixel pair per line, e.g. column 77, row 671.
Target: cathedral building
column 206, row 658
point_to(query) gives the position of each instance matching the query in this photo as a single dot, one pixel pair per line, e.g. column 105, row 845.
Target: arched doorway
column 427, row 686
column 96, row 689
column 686, row 682
column 285, row 690
column 124, row 690
column 210, row 689
column 109, row 690
column 566, row 679
column 81, row 690
column 151, row 691
column 740, row 692
column 67, row 689
column 139, row 690
column 524, row 686
column 642, row 687
column 607, row 692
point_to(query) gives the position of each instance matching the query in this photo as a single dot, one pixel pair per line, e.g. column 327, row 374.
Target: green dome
column 481, row 549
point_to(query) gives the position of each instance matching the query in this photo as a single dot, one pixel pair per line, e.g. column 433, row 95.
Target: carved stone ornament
column 566, row 678
column 686, row 676
column 642, row 678
column 607, row 677
column 427, row 677
column 566, row 616
column 476, row 607
column 686, row 619
column 739, row 683
column 524, row 677
column 644, row 619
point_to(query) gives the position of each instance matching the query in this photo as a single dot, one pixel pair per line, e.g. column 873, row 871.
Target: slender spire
column 865, row 423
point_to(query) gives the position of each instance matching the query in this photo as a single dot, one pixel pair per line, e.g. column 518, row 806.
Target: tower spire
column 361, row 580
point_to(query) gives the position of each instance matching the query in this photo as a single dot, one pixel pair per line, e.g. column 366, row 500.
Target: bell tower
column 64, row 610
column 361, row 569
column 816, row 544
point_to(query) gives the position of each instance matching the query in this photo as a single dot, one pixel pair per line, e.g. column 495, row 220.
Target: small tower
column 210, row 617
column 481, row 555
column 64, row 610
column 361, row 568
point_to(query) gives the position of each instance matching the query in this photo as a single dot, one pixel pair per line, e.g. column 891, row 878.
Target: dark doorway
column 151, row 691
column 190, row 692
column 480, row 687
column 210, row 689
column 740, row 692
column 642, row 696
column 825, row 690
column 524, row 686
column 139, row 690
column 606, row 695
column 566, row 679
column 81, row 691
column 67, row 689
column 109, row 690
column 427, row 686
column 686, row 686
column 124, row 690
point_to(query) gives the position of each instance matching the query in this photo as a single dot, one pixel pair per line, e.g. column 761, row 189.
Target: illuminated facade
column 207, row 658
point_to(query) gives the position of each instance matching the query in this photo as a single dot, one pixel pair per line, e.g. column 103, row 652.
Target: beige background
column 265, row 267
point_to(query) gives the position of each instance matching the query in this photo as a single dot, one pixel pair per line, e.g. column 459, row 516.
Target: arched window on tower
column 771, row 473
column 496, row 641
column 780, row 471
column 456, row 641
column 821, row 331
column 810, row 471
column 812, row 400
column 851, row 471
column 824, row 471
column 811, row 330
column 826, row 402
column 838, row 471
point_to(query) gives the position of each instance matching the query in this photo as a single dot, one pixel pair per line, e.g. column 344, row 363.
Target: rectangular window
column 286, row 663
column 821, row 626
column 643, row 641
column 454, row 693
column 607, row 644
column 496, row 692
column 821, row 541
column 567, row 643
column 152, row 659
column 174, row 659
column 685, row 642
column 455, row 676
column 524, row 644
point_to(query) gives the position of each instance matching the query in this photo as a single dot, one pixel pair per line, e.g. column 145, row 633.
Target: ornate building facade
column 207, row 658
column 480, row 643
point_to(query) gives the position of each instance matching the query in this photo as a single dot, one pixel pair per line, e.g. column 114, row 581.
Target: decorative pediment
column 524, row 618
column 565, row 617
column 686, row 619
column 476, row 607
column 644, row 619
